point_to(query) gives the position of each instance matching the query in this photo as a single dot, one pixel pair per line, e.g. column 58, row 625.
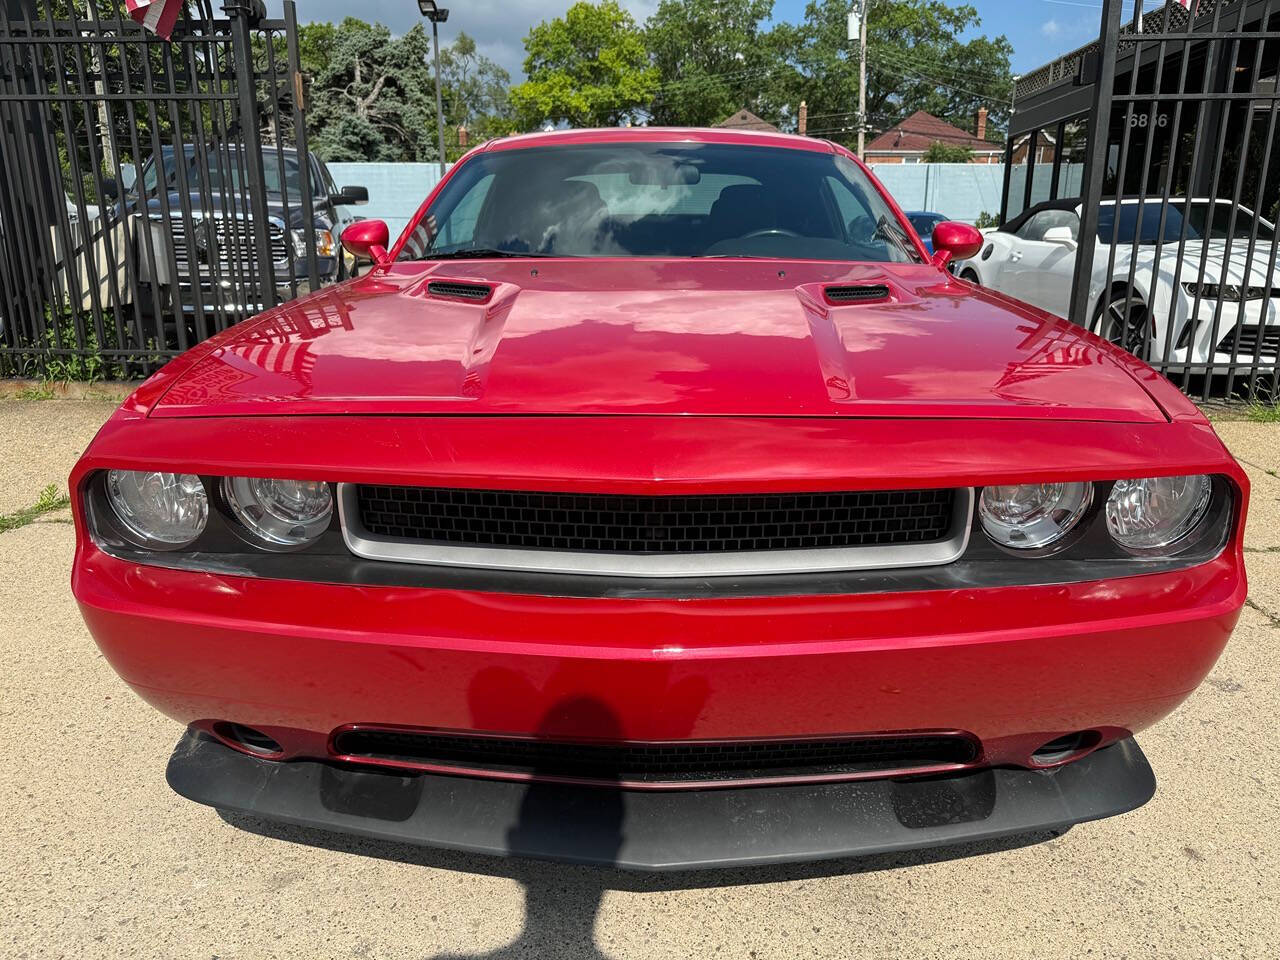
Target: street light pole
column 862, row 81
column 437, row 16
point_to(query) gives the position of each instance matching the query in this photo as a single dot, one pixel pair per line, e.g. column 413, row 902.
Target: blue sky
column 1040, row 30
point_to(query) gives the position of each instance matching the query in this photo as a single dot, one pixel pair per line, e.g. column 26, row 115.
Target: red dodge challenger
column 657, row 500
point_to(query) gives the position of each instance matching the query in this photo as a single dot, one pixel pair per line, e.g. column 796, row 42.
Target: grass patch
column 50, row 500
column 41, row 391
column 1260, row 412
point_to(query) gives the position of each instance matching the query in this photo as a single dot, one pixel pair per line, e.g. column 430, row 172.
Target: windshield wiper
column 894, row 234
column 483, row 253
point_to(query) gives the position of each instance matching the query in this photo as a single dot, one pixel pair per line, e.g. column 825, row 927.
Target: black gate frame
column 116, row 294
column 1175, row 99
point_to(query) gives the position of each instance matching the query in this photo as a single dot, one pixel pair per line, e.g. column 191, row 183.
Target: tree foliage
column 374, row 99
column 589, row 68
column 711, row 56
column 475, row 95
column 916, row 60
column 940, row 152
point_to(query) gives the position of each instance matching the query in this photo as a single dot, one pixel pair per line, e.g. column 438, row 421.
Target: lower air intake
column 656, row 763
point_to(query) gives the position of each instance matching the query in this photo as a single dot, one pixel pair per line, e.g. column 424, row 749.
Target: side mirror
column 110, row 189
column 350, row 196
column 1061, row 235
column 367, row 240
column 953, row 240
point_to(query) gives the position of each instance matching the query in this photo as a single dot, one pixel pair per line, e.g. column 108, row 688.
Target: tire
column 1123, row 319
column 972, row 277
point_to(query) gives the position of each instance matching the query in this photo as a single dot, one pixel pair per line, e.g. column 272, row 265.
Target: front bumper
column 664, row 831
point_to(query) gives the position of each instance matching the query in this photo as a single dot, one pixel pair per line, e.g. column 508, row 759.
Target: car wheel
column 1123, row 320
column 971, row 277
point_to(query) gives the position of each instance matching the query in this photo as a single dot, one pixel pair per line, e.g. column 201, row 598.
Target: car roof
column 556, row 138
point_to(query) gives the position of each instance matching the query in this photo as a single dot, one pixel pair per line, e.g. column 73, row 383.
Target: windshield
column 1198, row 222
column 225, row 170
column 661, row 200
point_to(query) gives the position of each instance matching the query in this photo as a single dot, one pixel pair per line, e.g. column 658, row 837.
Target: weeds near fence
column 1260, row 412
column 50, row 500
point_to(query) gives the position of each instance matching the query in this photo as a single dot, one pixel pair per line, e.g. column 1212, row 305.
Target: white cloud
column 1051, row 28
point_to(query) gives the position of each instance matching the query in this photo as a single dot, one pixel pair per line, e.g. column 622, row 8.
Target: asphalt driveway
column 101, row 860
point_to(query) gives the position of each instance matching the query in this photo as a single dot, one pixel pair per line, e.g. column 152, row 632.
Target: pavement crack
column 1254, row 605
column 49, row 501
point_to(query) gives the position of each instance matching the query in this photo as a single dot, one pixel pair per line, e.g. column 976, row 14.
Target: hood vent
column 458, row 290
column 857, row 293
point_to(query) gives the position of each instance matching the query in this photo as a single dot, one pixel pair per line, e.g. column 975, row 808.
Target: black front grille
column 1248, row 344
column 858, row 293
column 608, row 523
column 658, row 762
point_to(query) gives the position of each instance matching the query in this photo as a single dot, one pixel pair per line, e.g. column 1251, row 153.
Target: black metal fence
column 1181, row 184
column 152, row 192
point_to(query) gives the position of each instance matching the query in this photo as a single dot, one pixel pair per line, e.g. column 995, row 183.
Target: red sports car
column 656, row 500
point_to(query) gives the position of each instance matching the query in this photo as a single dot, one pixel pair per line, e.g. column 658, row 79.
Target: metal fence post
column 1096, row 159
column 243, row 14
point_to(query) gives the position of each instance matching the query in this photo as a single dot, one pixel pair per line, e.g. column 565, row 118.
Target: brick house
column 906, row 142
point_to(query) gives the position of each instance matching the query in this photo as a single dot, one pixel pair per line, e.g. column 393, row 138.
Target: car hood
column 1213, row 254
column 700, row 337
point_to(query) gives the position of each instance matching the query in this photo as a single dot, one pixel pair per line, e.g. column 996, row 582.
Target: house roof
column 916, row 133
column 746, row 120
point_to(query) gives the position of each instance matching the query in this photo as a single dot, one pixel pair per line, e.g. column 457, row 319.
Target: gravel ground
column 102, row 860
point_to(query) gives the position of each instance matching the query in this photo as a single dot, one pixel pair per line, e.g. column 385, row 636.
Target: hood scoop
column 459, row 290
column 857, row 293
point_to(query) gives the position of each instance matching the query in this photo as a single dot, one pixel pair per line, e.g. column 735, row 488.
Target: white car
column 1148, row 309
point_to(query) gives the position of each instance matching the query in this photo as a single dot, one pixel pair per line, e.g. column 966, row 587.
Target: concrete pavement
column 101, row 860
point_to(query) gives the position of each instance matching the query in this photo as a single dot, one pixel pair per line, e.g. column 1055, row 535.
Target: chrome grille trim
column 657, row 565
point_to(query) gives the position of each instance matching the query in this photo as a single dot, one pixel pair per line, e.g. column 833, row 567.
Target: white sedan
column 1148, row 296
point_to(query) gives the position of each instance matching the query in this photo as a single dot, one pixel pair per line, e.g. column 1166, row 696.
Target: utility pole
column 858, row 31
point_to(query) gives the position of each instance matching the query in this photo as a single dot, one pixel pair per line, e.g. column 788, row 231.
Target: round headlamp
column 1027, row 516
column 159, row 510
column 280, row 513
column 1154, row 513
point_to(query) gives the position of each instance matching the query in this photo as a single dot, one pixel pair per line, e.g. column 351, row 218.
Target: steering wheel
column 862, row 230
column 769, row 232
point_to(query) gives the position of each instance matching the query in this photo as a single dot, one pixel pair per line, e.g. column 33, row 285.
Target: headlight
column 1031, row 515
column 1151, row 514
column 1230, row 291
column 164, row 510
column 280, row 513
column 324, row 243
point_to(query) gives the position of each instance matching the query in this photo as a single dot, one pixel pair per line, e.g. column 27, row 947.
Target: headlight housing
column 324, row 243
column 1154, row 513
column 1232, row 292
column 1030, row 516
column 280, row 514
column 163, row 511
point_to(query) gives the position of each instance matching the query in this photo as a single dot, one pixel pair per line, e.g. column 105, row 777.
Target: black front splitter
column 674, row 830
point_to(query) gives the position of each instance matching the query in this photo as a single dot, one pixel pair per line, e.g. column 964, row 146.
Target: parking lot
column 102, row 859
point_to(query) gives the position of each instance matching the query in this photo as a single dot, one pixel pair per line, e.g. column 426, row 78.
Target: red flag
column 158, row 16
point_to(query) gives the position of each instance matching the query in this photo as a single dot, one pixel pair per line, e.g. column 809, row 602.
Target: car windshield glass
column 661, row 200
column 225, row 171
column 1197, row 222
column 1148, row 231
column 1222, row 227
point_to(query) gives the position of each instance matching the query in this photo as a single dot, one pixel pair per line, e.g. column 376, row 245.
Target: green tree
column 374, row 98
column 588, row 68
column 475, row 93
column 916, row 60
column 940, row 152
column 712, row 59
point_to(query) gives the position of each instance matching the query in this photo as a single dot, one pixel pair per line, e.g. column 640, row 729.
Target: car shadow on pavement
column 562, row 901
